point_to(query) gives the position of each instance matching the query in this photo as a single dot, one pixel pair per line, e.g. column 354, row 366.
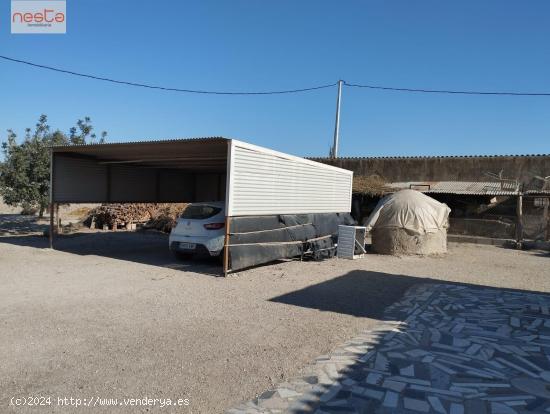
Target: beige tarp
column 410, row 210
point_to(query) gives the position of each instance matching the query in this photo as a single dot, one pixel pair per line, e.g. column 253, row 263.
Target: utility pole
column 334, row 150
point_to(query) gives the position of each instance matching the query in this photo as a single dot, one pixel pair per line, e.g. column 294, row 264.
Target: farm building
column 276, row 205
column 492, row 196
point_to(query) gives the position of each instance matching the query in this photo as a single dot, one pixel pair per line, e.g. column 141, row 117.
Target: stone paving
column 442, row 349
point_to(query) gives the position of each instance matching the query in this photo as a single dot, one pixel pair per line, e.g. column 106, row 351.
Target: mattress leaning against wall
column 280, row 206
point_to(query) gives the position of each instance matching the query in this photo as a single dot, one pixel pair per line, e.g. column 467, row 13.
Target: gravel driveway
column 112, row 315
column 444, row 348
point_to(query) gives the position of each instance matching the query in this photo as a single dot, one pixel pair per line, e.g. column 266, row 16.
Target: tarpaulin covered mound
column 409, row 222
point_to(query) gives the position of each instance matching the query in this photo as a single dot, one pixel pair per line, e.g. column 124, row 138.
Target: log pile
column 114, row 216
column 166, row 217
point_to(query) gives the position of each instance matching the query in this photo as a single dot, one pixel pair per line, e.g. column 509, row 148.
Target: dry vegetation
column 80, row 212
column 372, row 185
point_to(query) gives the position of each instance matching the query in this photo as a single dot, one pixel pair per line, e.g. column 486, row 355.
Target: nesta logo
column 46, row 16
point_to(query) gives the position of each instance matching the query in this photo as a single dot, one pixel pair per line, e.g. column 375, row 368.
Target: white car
column 200, row 230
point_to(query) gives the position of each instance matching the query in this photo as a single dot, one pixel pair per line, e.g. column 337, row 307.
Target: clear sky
column 285, row 44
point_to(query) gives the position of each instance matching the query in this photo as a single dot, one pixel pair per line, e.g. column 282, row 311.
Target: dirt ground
column 12, row 223
column 112, row 315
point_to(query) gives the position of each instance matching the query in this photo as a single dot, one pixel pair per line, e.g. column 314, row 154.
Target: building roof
column 459, row 187
column 542, row 192
column 133, row 143
column 205, row 154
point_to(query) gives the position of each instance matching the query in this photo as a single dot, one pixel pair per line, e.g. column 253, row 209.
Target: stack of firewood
column 114, row 216
column 166, row 217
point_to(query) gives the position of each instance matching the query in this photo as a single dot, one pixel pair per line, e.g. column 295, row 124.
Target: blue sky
column 285, row 44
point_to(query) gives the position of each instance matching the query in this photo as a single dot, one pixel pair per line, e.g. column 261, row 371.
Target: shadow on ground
column 18, row 224
column 362, row 293
column 358, row 293
column 146, row 247
column 444, row 347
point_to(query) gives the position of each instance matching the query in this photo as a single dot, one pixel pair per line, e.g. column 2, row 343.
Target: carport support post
column 52, row 207
column 226, row 246
column 50, row 233
column 57, row 219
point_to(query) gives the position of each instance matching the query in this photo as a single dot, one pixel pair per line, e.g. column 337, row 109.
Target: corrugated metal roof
column 459, row 187
column 146, row 142
column 537, row 192
column 192, row 153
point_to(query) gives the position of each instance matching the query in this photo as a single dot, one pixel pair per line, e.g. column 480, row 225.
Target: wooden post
column 226, row 246
column 519, row 221
column 50, row 235
column 545, row 221
column 57, row 219
column 52, row 207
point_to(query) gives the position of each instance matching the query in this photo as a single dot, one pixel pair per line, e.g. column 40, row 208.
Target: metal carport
column 253, row 181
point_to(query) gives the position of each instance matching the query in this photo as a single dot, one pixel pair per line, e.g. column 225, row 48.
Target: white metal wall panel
column 264, row 182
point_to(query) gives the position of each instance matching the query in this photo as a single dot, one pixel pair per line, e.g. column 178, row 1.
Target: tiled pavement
column 442, row 349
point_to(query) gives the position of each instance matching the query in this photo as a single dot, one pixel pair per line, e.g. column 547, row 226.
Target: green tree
column 25, row 172
column 82, row 133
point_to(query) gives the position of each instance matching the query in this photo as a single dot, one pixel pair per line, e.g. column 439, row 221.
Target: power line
column 207, row 92
column 388, row 88
column 143, row 85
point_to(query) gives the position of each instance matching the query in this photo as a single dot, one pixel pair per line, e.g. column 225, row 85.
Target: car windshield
column 200, row 211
